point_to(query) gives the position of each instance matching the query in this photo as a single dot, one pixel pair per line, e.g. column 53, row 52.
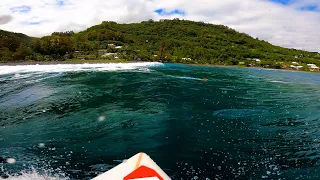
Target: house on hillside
column 256, row 60
column 294, row 63
column 186, row 59
column 296, row 67
column 313, row 66
column 118, row 47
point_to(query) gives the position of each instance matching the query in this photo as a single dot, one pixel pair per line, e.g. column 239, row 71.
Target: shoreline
column 252, row 67
column 76, row 61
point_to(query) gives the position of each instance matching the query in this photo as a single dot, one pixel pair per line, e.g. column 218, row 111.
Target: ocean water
column 78, row 121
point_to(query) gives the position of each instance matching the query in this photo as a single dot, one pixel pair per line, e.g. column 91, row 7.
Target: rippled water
column 77, row 121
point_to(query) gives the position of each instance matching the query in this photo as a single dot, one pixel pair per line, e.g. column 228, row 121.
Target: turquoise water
column 74, row 122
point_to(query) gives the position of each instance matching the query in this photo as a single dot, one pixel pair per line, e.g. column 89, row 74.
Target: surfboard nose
column 138, row 167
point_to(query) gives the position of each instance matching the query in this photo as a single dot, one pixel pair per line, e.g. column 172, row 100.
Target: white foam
column 11, row 160
column 74, row 67
column 185, row 77
column 34, row 175
column 282, row 82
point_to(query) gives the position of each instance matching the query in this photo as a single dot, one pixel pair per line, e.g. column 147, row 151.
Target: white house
column 186, row 59
column 257, row 60
column 312, row 66
column 296, row 67
column 294, row 63
column 111, row 45
column 299, row 67
column 118, row 47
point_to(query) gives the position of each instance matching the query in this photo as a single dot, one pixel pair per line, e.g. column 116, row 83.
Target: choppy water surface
column 77, row 121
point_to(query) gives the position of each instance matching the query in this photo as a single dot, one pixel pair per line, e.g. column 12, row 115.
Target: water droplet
column 101, row 118
column 11, row 160
column 41, row 145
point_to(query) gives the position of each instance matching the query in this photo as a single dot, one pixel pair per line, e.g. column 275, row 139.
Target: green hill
column 13, row 44
column 177, row 41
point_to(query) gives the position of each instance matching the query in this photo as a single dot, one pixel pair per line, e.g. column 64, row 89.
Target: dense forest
column 176, row 41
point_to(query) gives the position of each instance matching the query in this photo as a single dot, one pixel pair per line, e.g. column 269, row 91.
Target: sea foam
column 34, row 176
column 75, row 67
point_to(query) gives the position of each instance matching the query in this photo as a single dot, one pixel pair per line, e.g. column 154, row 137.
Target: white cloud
column 284, row 25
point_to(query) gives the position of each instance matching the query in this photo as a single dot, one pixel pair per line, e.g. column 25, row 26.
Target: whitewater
column 75, row 67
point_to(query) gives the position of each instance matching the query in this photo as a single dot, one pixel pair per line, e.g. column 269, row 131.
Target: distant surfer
column 204, row 80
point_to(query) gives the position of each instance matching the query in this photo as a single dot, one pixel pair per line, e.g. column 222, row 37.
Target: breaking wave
column 75, row 67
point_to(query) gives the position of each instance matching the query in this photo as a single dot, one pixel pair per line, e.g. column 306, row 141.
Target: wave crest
column 75, row 67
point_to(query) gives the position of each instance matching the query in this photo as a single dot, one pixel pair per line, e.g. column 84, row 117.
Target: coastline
column 253, row 67
column 78, row 61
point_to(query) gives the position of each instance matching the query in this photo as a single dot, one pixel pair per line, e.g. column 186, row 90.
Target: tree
column 5, row 54
column 22, row 52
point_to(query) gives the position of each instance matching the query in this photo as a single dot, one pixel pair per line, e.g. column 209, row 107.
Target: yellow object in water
column 204, row 80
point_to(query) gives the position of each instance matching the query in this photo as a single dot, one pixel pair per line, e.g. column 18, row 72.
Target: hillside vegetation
column 176, row 41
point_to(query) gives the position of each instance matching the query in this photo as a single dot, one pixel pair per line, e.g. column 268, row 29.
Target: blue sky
column 310, row 8
column 60, row 2
column 165, row 12
column 20, row 9
column 284, row 2
column 288, row 23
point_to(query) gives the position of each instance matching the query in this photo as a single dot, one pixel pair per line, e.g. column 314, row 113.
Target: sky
column 287, row 23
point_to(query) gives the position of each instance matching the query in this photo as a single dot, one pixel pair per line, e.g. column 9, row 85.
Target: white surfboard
column 128, row 170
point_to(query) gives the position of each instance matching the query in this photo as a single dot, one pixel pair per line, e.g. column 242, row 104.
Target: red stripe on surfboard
column 142, row 172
